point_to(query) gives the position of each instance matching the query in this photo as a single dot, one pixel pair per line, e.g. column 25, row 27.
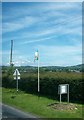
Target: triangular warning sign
column 16, row 72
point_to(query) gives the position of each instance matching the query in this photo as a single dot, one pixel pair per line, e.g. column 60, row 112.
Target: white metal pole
column 17, row 84
column 60, row 97
column 17, row 80
column 38, row 74
column 68, row 93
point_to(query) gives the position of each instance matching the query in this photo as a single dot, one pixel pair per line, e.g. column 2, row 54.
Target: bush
column 48, row 84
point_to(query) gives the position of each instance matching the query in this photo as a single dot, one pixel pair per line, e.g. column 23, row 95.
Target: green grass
column 0, row 94
column 37, row 105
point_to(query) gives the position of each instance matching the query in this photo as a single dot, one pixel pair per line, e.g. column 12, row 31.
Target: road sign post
column 63, row 89
column 68, row 93
column 16, row 77
column 17, row 80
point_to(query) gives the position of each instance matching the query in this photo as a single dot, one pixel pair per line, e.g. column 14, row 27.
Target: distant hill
column 67, row 68
column 79, row 67
column 75, row 68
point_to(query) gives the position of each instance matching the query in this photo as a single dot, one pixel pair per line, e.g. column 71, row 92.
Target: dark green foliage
column 49, row 82
column 7, row 81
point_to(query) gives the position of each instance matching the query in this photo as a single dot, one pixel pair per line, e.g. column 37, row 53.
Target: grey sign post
column 63, row 89
column 16, row 77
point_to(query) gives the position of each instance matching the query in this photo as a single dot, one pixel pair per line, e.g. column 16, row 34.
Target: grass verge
column 37, row 105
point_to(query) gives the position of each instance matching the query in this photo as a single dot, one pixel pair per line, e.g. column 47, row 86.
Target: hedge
column 49, row 82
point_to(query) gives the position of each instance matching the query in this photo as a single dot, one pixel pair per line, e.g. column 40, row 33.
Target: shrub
column 48, row 84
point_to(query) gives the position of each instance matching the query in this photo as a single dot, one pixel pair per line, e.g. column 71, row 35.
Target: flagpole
column 38, row 75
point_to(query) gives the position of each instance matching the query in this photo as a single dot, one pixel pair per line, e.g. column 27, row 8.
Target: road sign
column 63, row 89
column 16, row 72
column 16, row 77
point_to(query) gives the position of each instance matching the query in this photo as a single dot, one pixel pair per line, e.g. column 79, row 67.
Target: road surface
column 0, row 111
column 10, row 112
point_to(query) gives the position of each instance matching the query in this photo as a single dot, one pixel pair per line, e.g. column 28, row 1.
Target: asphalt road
column 0, row 111
column 10, row 112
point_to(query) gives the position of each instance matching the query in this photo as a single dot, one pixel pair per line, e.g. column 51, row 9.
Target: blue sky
column 54, row 28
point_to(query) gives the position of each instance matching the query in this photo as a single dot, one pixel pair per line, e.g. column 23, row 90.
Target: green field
column 0, row 94
column 37, row 105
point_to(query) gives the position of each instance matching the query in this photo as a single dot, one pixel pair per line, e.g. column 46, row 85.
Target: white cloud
column 18, row 24
column 45, row 34
column 42, row 1
column 41, row 9
column 52, row 50
column 72, row 27
column 45, row 12
column 61, row 55
column 74, row 31
column 22, row 60
column 45, row 22
column 63, row 6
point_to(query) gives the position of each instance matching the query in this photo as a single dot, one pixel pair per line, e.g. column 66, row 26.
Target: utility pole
column 10, row 71
column 11, row 64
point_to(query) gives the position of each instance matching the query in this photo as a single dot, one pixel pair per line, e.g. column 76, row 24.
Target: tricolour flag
column 36, row 55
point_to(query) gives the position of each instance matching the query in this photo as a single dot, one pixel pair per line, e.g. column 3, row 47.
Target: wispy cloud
column 42, row 1
column 27, row 8
column 54, row 28
column 73, row 26
column 43, row 15
column 18, row 59
column 67, row 49
column 56, row 55
column 22, row 62
column 18, row 24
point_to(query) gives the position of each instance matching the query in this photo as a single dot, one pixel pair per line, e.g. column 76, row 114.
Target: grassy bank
column 37, row 105
column 0, row 94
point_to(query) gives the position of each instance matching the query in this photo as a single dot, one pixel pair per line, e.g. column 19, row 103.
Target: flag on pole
column 36, row 56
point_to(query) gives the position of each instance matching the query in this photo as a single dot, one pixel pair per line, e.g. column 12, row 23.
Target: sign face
column 17, row 77
column 62, row 89
column 16, row 72
column 14, row 78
